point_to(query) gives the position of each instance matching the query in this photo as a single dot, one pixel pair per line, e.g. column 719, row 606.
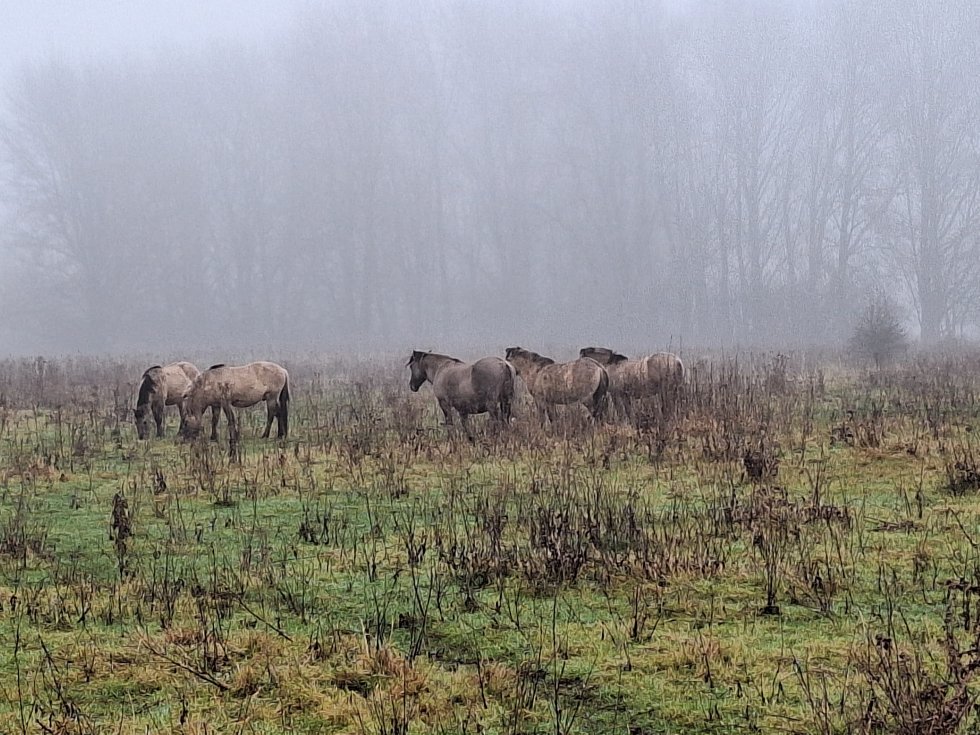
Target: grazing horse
column 162, row 386
column 223, row 387
column 581, row 381
column 660, row 374
column 484, row 386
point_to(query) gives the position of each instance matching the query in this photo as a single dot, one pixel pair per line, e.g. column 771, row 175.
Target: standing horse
column 660, row 374
column 162, row 386
column 223, row 387
column 581, row 381
column 484, row 386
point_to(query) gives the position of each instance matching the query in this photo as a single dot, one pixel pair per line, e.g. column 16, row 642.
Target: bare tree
column 935, row 212
column 571, row 171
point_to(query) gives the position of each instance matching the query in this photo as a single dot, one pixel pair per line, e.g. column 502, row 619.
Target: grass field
column 787, row 552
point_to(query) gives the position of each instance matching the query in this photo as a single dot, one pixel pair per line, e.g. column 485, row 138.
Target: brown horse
column 223, row 387
column 660, row 374
column 162, row 386
column 582, row 381
column 484, row 386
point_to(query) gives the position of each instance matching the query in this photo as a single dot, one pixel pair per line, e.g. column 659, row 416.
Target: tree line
column 389, row 173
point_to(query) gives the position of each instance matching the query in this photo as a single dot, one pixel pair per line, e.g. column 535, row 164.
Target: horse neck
column 146, row 390
column 531, row 369
column 432, row 364
column 194, row 401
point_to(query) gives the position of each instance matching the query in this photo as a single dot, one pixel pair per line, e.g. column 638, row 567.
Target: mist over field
column 388, row 175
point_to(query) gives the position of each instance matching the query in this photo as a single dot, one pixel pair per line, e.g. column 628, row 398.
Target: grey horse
column 223, row 387
column 484, row 386
column 660, row 374
column 581, row 381
column 162, row 386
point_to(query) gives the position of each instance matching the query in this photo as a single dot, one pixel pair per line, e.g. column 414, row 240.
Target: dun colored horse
column 162, row 386
column 484, row 386
column 581, row 381
column 660, row 374
column 223, row 387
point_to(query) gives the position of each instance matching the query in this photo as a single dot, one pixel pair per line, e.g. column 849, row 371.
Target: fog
column 395, row 174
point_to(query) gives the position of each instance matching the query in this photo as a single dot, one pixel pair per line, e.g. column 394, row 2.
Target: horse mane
column 419, row 354
column 532, row 356
column 147, row 388
column 217, row 365
column 444, row 357
column 614, row 357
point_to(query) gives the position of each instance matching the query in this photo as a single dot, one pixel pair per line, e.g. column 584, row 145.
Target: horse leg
column 182, row 428
column 624, row 407
column 464, row 421
column 595, row 408
column 447, row 412
column 505, row 411
column 282, row 418
column 232, row 422
column 672, row 399
column 158, row 418
column 215, row 417
column 271, row 411
column 539, row 410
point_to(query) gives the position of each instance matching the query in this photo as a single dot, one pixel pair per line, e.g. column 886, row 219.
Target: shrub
column 879, row 334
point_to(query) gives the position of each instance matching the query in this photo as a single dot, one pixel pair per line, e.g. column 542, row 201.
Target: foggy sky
column 449, row 174
column 98, row 30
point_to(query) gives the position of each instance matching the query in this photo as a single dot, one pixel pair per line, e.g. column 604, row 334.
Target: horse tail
column 283, row 414
column 507, row 391
column 510, row 380
column 677, row 377
column 599, row 394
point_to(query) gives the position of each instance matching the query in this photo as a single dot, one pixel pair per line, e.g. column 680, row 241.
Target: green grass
column 351, row 580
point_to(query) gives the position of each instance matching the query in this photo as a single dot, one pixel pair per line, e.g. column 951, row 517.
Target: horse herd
column 219, row 388
column 599, row 375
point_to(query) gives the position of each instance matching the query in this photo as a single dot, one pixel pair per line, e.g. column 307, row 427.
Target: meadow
column 787, row 550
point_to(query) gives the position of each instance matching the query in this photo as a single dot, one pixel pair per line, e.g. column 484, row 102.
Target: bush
column 879, row 334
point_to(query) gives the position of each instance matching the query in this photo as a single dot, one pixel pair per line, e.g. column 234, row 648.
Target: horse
column 223, row 387
column 660, row 374
column 581, row 381
column 162, row 386
column 484, row 386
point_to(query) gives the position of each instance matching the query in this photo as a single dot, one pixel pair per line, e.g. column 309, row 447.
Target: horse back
column 663, row 368
column 189, row 369
column 493, row 377
column 631, row 377
column 175, row 380
column 569, row 382
column 472, row 387
column 242, row 384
